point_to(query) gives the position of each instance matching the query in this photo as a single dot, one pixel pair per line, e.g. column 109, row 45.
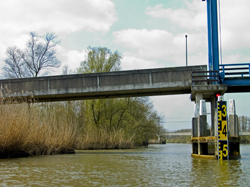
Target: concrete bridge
column 133, row 83
column 148, row 82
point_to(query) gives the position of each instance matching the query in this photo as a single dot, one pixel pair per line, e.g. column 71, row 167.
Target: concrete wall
column 148, row 82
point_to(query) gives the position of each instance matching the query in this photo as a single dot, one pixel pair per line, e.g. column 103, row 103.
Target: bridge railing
column 205, row 77
column 235, row 70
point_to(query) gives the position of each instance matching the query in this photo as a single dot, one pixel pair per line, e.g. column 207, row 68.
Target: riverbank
column 245, row 139
column 178, row 139
column 187, row 139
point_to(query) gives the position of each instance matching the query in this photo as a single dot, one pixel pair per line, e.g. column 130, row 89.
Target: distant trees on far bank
column 244, row 123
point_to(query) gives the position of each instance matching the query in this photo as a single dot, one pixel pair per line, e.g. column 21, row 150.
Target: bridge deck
column 237, row 84
column 148, row 82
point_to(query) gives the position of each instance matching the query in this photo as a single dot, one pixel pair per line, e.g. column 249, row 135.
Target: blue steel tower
column 212, row 27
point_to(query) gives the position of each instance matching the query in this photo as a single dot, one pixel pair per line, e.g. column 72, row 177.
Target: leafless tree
column 39, row 54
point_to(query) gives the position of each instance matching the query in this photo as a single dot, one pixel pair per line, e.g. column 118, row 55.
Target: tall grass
column 23, row 131
column 94, row 138
column 27, row 129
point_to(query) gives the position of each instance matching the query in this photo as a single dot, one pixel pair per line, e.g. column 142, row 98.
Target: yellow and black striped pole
column 222, row 131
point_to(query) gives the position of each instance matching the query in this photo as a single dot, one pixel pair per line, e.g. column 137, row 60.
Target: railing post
column 218, row 78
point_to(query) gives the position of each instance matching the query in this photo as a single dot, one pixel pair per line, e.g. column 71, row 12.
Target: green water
column 157, row 165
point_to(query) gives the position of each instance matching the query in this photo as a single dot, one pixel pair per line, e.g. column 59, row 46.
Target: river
column 157, row 165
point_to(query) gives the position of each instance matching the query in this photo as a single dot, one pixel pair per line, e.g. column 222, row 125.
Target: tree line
column 244, row 123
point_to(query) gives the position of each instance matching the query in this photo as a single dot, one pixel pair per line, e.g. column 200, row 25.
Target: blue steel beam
column 213, row 44
column 237, row 81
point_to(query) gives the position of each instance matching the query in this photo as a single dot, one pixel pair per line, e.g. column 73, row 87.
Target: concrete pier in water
column 204, row 140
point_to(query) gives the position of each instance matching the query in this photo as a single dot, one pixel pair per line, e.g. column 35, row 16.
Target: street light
column 186, row 51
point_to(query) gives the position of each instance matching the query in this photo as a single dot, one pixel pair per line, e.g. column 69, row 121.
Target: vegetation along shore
column 33, row 128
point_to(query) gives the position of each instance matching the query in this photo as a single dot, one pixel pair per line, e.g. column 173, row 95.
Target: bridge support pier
column 199, row 127
column 233, row 131
column 214, row 123
column 214, row 115
column 204, row 141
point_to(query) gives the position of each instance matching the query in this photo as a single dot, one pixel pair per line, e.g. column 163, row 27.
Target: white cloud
column 18, row 18
column 148, row 42
column 70, row 58
column 160, row 45
column 57, row 15
column 235, row 24
column 191, row 18
column 131, row 62
column 236, row 58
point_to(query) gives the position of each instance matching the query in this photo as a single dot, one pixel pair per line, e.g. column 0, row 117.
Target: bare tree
column 14, row 67
column 38, row 55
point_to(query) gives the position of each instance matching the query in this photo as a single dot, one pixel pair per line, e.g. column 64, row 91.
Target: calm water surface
column 157, row 165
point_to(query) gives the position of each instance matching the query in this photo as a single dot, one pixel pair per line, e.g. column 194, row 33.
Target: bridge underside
column 238, row 89
column 237, row 84
column 115, row 94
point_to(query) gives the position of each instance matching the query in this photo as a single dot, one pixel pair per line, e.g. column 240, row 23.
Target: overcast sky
column 148, row 34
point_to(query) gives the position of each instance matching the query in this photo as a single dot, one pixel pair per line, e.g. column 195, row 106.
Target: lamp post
column 186, row 50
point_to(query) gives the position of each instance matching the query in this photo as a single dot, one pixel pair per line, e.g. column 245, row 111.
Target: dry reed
column 23, row 131
column 27, row 129
column 94, row 138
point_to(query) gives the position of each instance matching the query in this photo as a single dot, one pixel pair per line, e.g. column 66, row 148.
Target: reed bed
column 31, row 129
column 24, row 132
column 95, row 138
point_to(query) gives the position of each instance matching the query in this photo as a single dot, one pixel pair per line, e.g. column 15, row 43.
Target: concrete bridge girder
column 206, row 92
column 149, row 82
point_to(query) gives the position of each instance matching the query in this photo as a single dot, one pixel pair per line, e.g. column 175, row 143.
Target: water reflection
column 222, row 173
column 158, row 165
column 215, row 173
